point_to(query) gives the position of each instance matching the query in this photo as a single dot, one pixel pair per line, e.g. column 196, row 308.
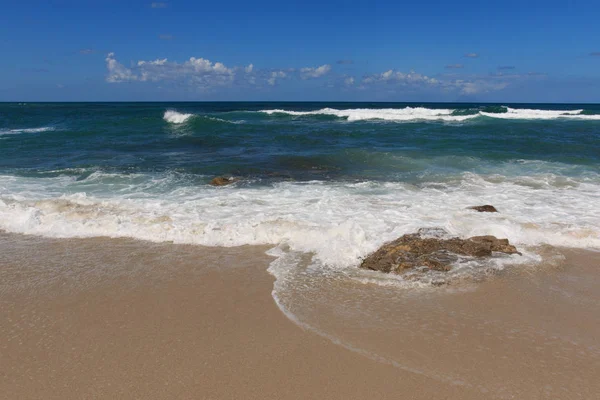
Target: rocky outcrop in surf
column 433, row 249
column 484, row 208
column 222, row 181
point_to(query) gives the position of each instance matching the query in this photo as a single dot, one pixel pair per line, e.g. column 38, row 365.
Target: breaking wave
column 175, row 117
column 408, row 114
column 26, row 130
column 336, row 222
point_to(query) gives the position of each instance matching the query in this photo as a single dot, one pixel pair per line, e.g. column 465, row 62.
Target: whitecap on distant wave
column 387, row 114
column 408, row 114
column 175, row 117
column 25, row 130
column 524, row 113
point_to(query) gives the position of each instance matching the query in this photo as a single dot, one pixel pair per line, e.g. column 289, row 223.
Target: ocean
column 325, row 184
column 333, row 180
column 321, row 186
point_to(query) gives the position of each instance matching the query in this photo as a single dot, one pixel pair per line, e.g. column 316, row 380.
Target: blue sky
column 104, row 50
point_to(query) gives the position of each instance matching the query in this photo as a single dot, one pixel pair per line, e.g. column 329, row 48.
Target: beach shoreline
column 121, row 318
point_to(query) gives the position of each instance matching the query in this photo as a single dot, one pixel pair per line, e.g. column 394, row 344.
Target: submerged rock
column 434, row 252
column 222, row 181
column 484, row 208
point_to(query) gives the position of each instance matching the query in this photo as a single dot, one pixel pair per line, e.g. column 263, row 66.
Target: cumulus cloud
column 117, row 72
column 454, row 66
column 411, row 78
column 317, row 72
column 205, row 75
column 478, row 86
column 272, row 80
column 199, row 71
column 471, row 55
column 155, row 62
column 460, row 84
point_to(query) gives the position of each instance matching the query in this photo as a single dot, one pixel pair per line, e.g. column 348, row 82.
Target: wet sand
column 124, row 319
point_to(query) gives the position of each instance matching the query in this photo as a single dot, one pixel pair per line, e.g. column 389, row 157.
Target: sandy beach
column 124, row 319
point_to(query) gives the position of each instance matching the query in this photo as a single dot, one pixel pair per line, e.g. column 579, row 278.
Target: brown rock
column 222, row 181
column 499, row 245
column 436, row 253
column 484, row 208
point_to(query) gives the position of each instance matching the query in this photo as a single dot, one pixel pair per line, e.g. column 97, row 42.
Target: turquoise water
column 334, row 180
column 236, row 139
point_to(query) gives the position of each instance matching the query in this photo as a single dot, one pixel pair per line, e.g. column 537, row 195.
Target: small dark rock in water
column 222, row 181
column 484, row 208
column 416, row 250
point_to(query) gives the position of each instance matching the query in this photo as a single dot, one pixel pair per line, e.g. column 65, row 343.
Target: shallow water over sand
column 529, row 332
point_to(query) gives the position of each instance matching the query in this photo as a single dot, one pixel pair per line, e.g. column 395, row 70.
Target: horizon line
column 288, row 101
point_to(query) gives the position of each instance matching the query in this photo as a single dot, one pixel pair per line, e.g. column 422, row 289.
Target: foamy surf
column 415, row 114
column 175, row 117
column 514, row 113
column 338, row 223
column 388, row 114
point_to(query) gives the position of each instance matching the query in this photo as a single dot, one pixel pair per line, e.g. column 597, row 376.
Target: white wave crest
column 387, row 114
column 337, row 222
column 409, row 114
column 175, row 117
column 26, row 130
column 524, row 113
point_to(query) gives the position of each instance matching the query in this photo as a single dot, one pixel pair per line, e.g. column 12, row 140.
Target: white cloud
column 318, row 72
column 158, row 5
column 459, row 83
column 481, row 87
column 204, row 66
column 274, row 76
column 155, row 62
column 198, row 71
column 117, row 72
column 411, row 78
column 203, row 74
column 471, row 55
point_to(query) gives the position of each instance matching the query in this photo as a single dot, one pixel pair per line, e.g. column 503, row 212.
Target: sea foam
column 336, row 222
column 175, row 117
column 523, row 113
column 387, row 114
column 410, row 114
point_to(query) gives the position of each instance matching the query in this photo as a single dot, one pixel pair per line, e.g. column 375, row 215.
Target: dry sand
column 123, row 319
